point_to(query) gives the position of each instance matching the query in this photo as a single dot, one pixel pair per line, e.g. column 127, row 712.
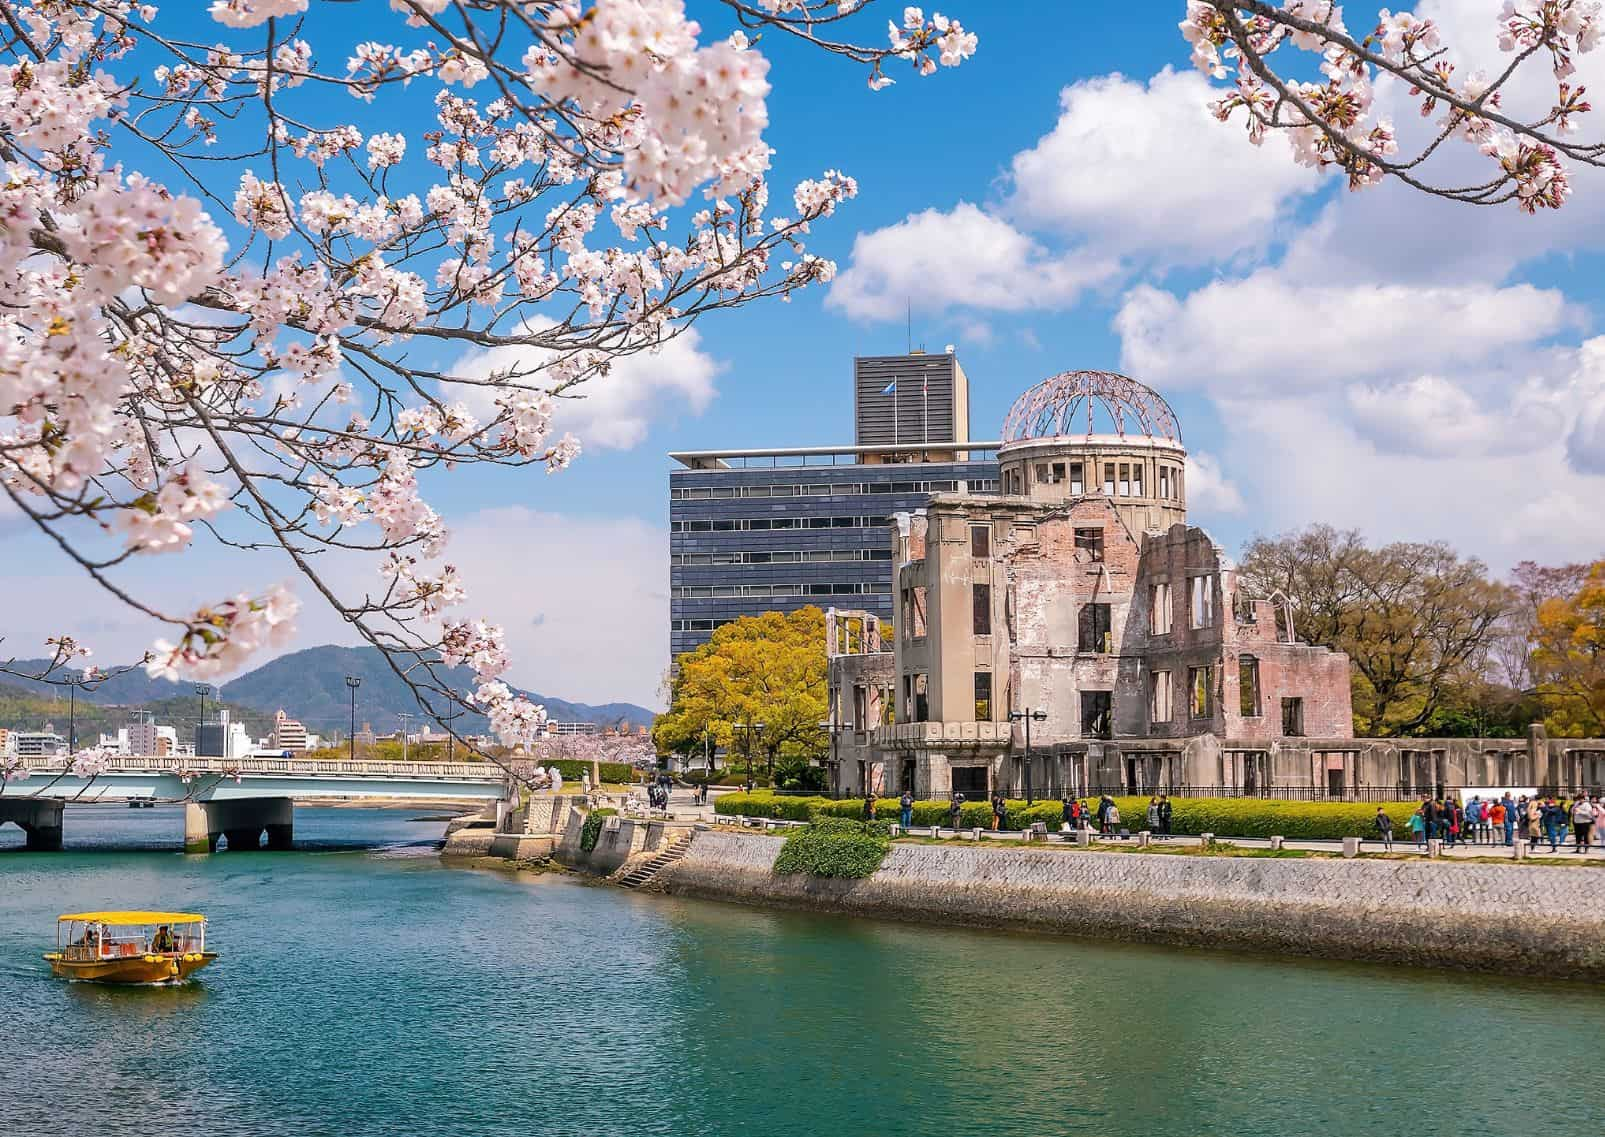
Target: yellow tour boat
column 130, row 947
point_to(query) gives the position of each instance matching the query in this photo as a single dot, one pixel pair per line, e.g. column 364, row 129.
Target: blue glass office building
column 754, row 531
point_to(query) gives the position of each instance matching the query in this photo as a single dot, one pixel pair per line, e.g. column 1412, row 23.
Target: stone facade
column 1531, row 919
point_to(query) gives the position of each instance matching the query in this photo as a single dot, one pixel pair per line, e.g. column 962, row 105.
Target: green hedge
column 614, row 772
column 592, row 829
column 1226, row 817
column 835, row 847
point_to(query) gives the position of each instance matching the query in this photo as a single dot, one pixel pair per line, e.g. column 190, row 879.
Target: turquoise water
column 366, row 989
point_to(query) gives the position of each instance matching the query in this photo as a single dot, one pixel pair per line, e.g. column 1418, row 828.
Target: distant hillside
column 310, row 686
column 23, row 709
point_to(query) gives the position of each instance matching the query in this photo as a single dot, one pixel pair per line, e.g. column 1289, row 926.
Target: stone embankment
column 1517, row 919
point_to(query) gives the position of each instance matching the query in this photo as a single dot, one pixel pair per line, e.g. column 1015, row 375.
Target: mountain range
column 310, row 685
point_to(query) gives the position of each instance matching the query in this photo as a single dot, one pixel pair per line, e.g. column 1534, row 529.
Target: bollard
column 1351, row 847
column 1434, row 848
column 1144, row 838
column 1205, row 840
column 1521, row 849
column 1276, row 843
column 936, row 831
column 1084, row 837
column 975, row 834
column 897, row 830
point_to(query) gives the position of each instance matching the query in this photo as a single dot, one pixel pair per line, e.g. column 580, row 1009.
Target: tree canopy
column 756, row 688
column 1568, row 659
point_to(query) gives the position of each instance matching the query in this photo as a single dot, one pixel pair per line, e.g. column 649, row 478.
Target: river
column 366, row 988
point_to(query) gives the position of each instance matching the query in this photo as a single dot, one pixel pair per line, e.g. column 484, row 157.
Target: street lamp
column 404, row 716
column 352, row 682
column 1028, row 715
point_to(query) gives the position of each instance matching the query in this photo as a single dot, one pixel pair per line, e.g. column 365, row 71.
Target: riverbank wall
column 1515, row 919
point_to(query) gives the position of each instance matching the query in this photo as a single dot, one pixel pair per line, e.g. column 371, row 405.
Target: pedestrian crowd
column 1498, row 821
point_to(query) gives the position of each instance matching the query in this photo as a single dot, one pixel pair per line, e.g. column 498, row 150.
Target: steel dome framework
column 1053, row 407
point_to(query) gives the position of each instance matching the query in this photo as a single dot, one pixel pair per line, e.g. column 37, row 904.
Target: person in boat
column 163, row 940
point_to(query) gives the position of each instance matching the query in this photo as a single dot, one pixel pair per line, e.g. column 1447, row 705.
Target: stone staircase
column 641, row 871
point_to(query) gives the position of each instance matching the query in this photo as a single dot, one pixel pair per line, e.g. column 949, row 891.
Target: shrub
column 592, row 830
column 615, row 772
column 835, row 847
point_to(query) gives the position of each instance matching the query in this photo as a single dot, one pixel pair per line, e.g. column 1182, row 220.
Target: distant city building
column 288, row 734
column 774, row 530
column 7, row 745
column 563, row 728
column 37, row 743
column 138, row 738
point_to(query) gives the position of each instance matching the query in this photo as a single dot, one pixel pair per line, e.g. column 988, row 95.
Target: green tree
column 1417, row 620
column 757, row 687
column 1568, row 659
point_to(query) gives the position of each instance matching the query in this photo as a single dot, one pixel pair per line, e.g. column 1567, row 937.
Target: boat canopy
column 133, row 917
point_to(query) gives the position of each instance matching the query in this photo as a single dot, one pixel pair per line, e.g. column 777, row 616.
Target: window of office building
column 1159, row 698
column 981, row 602
column 1094, row 627
column 1159, row 609
column 980, row 541
column 983, row 696
column 1089, row 544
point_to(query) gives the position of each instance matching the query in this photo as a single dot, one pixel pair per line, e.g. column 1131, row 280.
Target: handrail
column 228, row 767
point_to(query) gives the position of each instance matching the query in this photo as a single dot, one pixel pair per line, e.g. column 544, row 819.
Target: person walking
column 1153, row 815
column 1430, row 817
column 1067, row 812
column 869, row 805
column 1549, row 819
column 1451, row 822
column 1471, row 821
column 1497, row 822
column 1509, row 808
column 955, row 811
column 906, row 810
column 1384, row 825
column 1582, row 821
column 1111, row 818
column 1165, row 814
column 1535, row 819
column 1000, row 810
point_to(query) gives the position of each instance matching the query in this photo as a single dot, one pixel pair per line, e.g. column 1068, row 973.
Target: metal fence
column 1364, row 794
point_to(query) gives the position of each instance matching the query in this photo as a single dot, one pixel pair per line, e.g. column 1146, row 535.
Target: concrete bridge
column 233, row 799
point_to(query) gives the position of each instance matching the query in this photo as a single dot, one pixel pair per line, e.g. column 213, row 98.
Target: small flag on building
column 890, row 388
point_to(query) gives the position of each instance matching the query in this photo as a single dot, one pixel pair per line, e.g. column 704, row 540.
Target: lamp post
column 403, row 716
column 72, row 714
column 352, row 683
column 1027, row 716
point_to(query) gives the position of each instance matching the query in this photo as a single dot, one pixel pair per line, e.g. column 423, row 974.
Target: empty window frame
column 1293, row 717
column 1109, row 479
column 1136, row 480
column 918, row 621
column 1096, row 719
column 922, row 706
column 1203, row 601
column 983, row 696
column 1164, row 482
column 1201, row 692
column 1094, row 627
column 1159, row 608
column 1159, row 697
column 1077, row 481
column 981, row 603
column 1248, row 700
column 980, row 541
column 1090, row 542
column 1125, row 479
column 1043, row 476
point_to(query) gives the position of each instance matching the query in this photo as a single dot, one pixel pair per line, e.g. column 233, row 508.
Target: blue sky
column 1417, row 369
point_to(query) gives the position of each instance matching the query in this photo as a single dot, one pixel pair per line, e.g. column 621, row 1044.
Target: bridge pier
column 239, row 821
column 39, row 818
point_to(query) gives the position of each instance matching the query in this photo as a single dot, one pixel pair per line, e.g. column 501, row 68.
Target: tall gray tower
column 917, row 401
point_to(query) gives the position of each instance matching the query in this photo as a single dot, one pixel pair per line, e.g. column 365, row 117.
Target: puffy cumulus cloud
column 1145, row 167
column 1502, row 507
column 1272, row 334
column 611, row 411
column 1437, row 416
column 964, row 257
column 1585, row 443
column 1208, row 489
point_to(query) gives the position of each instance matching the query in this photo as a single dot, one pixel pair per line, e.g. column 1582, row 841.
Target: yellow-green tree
column 1568, row 659
column 757, row 688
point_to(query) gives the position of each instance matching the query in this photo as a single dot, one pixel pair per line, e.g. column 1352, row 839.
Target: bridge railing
column 299, row 767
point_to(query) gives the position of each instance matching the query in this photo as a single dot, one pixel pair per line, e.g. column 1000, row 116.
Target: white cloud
column 1148, row 168
column 1208, row 488
column 963, row 257
column 584, row 601
column 1435, row 416
column 612, row 411
column 1269, row 333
